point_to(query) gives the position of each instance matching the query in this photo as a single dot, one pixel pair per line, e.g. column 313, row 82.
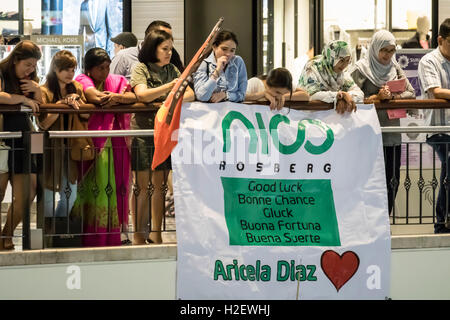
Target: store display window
column 404, row 18
column 75, row 25
column 97, row 20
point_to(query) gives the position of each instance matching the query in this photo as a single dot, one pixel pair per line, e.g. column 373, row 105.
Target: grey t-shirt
column 124, row 62
column 152, row 76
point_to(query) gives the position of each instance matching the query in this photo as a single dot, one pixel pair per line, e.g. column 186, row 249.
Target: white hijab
column 371, row 67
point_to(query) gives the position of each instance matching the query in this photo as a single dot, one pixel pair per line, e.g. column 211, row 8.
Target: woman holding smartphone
column 372, row 74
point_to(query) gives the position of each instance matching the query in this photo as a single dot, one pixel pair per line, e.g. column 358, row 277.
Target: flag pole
column 182, row 83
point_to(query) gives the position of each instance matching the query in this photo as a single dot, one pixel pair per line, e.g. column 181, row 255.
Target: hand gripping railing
column 297, row 105
column 152, row 108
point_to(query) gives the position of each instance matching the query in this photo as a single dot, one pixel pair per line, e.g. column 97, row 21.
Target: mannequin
column 421, row 39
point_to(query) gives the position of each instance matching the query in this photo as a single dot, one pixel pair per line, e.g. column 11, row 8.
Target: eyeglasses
column 384, row 50
column 345, row 60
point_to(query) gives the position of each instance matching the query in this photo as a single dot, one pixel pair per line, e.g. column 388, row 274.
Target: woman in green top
column 152, row 80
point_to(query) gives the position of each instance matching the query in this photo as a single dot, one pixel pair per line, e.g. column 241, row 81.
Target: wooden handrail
column 391, row 104
column 297, row 105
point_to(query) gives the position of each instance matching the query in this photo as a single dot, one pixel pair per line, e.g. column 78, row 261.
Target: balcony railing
column 415, row 203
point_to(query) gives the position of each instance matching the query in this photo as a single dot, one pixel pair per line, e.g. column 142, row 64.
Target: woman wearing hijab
column 324, row 78
column 371, row 74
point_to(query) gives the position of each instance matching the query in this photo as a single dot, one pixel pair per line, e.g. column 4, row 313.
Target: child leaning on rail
column 60, row 170
column 276, row 87
column 18, row 85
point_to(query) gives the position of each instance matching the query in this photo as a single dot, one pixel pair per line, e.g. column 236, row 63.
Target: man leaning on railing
column 434, row 80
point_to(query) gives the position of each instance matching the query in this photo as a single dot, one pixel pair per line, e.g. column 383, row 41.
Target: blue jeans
column 64, row 205
column 439, row 142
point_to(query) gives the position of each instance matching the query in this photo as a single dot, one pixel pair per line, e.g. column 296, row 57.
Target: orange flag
column 167, row 119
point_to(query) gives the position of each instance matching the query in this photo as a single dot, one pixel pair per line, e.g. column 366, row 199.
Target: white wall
column 277, row 33
column 289, row 35
column 143, row 12
column 415, row 274
column 303, row 26
column 444, row 10
column 137, row 280
column 420, row 274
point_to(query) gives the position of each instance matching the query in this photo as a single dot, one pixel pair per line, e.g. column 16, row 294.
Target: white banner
column 280, row 205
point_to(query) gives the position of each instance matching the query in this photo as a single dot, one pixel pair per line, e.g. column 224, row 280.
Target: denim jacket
column 233, row 81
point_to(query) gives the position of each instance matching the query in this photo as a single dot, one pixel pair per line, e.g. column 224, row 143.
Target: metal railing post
column 26, row 242
column 40, row 185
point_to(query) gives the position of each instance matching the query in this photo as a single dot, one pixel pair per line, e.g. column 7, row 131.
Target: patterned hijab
column 373, row 69
column 318, row 74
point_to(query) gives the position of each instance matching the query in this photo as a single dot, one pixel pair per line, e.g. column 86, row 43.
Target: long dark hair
column 25, row 49
column 280, row 78
column 444, row 28
column 223, row 36
column 95, row 57
column 154, row 38
column 62, row 60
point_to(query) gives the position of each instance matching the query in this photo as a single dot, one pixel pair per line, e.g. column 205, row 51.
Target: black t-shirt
column 176, row 60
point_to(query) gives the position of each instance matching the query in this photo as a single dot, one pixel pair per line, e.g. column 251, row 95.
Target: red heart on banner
column 339, row 269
